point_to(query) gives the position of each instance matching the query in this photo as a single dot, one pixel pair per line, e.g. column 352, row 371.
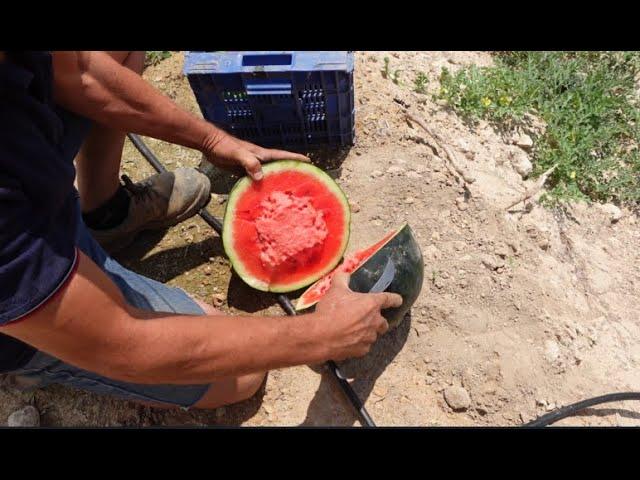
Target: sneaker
column 157, row 202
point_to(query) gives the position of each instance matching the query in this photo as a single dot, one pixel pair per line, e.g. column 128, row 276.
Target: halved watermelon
column 287, row 230
column 366, row 267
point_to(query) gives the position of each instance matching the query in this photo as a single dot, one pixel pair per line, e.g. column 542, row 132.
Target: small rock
column 615, row 214
column 521, row 163
column 491, row 262
column 435, row 236
column 218, row 299
column 501, row 250
column 208, row 270
column 376, row 173
column 220, row 199
column 409, row 200
column 414, row 175
column 380, row 391
column 462, row 205
column 544, row 244
column 423, row 313
column 355, row 208
column 457, row 398
column 551, row 350
column 25, row 417
column 395, row 170
column 523, row 141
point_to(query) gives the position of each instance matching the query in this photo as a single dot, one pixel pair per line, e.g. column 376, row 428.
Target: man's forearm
column 190, row 349
column 96, row 86
column 89, row 325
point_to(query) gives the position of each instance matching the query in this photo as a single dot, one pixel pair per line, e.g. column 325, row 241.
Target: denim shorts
column 139, row 291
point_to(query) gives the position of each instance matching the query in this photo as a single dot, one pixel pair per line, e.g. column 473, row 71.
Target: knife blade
column 385, row 279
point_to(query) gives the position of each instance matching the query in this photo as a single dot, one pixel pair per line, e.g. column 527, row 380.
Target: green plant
column 385, row 69
column 153, row 57
column 395, row 78
column 420, row 83
column 589, row 103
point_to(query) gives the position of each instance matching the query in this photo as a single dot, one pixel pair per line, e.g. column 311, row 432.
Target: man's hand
column 353, row 320
column 229, row 153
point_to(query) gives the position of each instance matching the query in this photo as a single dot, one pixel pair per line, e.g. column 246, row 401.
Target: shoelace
column 139, row 191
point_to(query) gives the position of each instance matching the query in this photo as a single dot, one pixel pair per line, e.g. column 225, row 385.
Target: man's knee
column 227, row 392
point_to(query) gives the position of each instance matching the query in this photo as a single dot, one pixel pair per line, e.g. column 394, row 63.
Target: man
column 69, row 313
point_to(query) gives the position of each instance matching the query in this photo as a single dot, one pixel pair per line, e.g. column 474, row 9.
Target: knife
column 385, row 279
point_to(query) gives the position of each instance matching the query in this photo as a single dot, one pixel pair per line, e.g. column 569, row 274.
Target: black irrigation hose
column 366, row 420
column 570, row 410
column 283, row 300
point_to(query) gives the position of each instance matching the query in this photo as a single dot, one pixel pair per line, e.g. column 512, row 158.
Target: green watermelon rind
column 242, row 185
column 404, row 251
column 302, row 304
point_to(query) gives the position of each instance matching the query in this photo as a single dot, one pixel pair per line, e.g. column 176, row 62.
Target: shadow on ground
column 242, row 297
column 365, row 371
column 168, row 264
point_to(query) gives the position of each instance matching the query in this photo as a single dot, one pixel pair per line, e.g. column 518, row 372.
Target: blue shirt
column 38, row 200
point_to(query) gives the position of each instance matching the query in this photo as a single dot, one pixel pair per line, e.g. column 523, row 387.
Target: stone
column 501, row 250
column 376, row 173
column 491, row 262
column 218, row 299
column 521, row 164
column 25, row 417
column 414, row 175
column 615, row 214
column 551, row 351
column 544, row 243
column 395, row 170
column 523, row 141
column 457, row 398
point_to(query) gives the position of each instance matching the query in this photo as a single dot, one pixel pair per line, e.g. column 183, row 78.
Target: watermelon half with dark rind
column 286, row 231
column 366, row 266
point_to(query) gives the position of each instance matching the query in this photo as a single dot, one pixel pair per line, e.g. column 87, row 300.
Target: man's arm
column 88, row 324
column 96, row 86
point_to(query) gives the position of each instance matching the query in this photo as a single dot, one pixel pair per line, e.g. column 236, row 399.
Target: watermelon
column 366, row 266
column 286, row 231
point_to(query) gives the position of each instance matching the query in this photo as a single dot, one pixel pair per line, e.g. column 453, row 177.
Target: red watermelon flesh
column 287, row 230
column 349, row 265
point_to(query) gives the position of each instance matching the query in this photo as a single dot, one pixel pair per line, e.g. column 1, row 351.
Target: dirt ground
column 525, row 309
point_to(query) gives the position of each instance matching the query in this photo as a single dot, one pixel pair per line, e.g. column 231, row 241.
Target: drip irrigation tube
column 354, row 400
column 283, row 300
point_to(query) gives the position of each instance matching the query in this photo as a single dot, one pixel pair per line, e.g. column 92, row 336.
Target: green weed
column 589, row 101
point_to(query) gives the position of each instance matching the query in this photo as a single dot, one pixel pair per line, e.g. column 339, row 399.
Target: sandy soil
column 525, row 310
